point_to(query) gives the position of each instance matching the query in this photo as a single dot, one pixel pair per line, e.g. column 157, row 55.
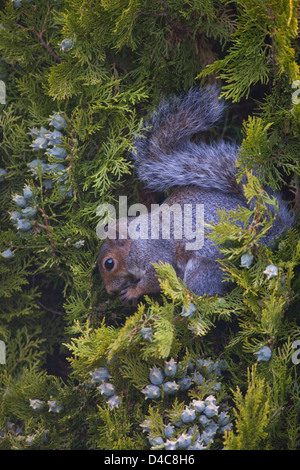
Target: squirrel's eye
column 109, row 264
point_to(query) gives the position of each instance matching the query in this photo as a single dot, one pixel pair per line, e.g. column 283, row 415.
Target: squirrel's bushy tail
column 165, row 156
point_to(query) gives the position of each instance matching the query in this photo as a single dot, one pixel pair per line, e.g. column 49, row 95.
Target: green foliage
column 116, row 431
column 265, row 144
column 57, row 322
column 262, row 45
column 252, row 415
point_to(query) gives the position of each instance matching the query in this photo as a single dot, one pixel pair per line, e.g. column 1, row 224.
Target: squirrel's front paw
column 129, row 296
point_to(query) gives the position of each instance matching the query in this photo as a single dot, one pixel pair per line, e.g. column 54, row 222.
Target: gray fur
column 165, row 157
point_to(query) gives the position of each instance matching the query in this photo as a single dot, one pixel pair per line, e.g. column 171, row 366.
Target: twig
column 40, row 38
column 47, row 308
column 46, row 46
column 46, row 227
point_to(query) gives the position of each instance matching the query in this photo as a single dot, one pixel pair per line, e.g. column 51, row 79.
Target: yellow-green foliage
column 252, row 413
column 56, row 319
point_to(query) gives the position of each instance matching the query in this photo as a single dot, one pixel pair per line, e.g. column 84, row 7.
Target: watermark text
column 296, row 93
column 2, row 352
column 2, row 92
column 165, row 221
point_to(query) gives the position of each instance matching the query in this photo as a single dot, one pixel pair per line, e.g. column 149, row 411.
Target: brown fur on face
column 117, row 278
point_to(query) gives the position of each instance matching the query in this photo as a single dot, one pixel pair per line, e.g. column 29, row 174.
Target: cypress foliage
column 81, row 371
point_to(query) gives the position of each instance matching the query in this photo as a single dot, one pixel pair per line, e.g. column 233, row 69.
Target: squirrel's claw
column 128, row 296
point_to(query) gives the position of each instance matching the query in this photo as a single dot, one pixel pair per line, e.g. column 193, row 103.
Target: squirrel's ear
column 122, row 233
column 121, row 239
column 118, row 236
column 121, row 242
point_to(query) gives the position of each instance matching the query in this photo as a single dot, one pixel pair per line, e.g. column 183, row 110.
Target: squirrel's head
column 112, row 262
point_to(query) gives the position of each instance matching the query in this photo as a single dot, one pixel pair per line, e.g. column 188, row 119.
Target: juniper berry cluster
column 52, row 144
column 107, row 389
column 200, row 420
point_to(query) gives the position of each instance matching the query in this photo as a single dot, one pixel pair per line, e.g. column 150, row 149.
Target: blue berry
column 40, row 143
column 179, row 424
column 207, row 437
column 212, row 427
column 170, row 368
column 14, row 216
column 216, row 387
column 147, row 333
column 210, row 400
column 35, row 132
column 189, row 310
column 100, row 375
column 170, row 445
column 193, row 431
column 170, row 388
column 146, row 425
column 29, row 212
column 198, row 405
column 200, row 363
column 58, row 152
column 184, row 383
column 188, row 415
column 246, row 261
column 66, row 44
column 3, row 173
column 79, row 244
column 57, row 169
column 38, row 166
column 54, row 407
column 151, row 391
column 55, row 137
column 184, row 441
column 157, row 441
column 36, row 404
column 20, row 201
column 271, row 271
column 64, row 191
column 8, row 254
column 208, row 365
column 23, row 225
column 211, row 410
column 106, row 389
column 58, row 122
column 27, row 192
column 114, row 402
column 223, row 419
column 156, row 376
column 169, row 431
column 16, row 3
column 225, row 428
column 198, row 445
column 198, row 378
column 264, row 354
column 48, row 183
column 204, row 420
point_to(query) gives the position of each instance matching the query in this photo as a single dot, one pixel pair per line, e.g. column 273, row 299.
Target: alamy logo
column 296, row 354
column 2, row 353
column 2, row 92
column 162, row 222
column 295, row 95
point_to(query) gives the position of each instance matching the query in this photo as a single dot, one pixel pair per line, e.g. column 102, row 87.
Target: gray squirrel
column 165, row 157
